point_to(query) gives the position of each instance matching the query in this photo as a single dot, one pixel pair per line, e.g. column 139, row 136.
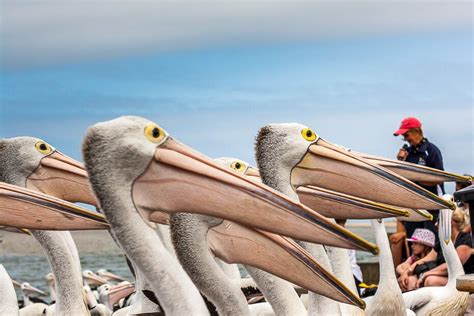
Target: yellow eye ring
column 43, row 147
column 238, row 166
column 154, row 133
column 308, row 134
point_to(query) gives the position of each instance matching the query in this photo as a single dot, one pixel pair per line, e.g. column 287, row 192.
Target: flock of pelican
column 184, row 221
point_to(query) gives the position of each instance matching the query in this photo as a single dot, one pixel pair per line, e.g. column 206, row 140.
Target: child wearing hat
column 422, row 242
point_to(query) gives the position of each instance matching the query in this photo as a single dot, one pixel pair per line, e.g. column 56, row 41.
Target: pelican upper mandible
column 138, row 171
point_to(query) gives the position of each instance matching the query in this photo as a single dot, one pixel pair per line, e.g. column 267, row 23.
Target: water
column 33, row 269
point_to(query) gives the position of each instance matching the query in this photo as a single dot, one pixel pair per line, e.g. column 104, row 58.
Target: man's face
column 412, row 138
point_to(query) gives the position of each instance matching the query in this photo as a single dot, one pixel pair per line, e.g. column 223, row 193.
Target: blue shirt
column 426, row 154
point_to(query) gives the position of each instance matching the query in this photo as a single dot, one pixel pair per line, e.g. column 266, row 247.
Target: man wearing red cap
column 419, row 151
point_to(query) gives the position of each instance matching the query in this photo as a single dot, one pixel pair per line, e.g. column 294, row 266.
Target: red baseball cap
column 407, row 124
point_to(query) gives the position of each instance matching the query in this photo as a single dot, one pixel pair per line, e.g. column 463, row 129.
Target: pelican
column 138, row 172
column 441, row 300
column 36, row 165
column 51, row 286
column 292, row 155
column 27, row 291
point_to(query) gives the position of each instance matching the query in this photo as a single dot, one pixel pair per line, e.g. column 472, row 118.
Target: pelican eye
column 43, row 147
column 308, row 134
column 238, row 166
column 154, row 133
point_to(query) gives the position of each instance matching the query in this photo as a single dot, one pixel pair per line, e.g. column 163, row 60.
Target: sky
column 212, row 74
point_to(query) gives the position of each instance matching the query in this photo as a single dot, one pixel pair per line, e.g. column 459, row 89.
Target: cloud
column 38, row 33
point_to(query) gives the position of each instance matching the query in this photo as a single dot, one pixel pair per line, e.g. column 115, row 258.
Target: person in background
column 423, row 241
column 422, row 152
column 464, row 207
column 438, row 276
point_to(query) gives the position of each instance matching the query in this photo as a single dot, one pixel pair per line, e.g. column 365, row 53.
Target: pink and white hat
column 423, row 236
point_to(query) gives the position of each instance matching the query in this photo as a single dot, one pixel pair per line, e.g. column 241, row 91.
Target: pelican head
column 133, row 160
column 28, row 289
column 93, row 279
column 36, row 183
column 295, row 152
column 238, row 165
column 128, row 144
column 111, row 295
column 272, row 154
column 49, row 278
column 34, row 164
